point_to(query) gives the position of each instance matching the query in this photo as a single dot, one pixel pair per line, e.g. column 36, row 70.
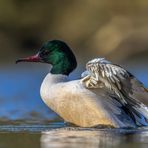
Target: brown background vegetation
column 115, row 29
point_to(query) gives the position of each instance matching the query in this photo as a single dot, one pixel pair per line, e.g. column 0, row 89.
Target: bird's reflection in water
column 92, row 138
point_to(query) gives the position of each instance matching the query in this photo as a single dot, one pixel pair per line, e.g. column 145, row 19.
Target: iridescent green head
column 58, row 54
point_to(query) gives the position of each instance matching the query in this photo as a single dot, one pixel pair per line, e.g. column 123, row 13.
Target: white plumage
column 106, row 95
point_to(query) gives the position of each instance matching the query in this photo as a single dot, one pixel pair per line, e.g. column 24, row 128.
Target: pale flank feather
column 130, row 93
column 81, row 106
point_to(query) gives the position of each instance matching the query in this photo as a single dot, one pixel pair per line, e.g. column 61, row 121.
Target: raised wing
column 130, row 92
column 100, row 70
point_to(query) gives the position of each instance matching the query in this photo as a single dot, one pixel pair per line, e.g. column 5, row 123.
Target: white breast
column 73, row 102
column 47, row 90
column 78, row 105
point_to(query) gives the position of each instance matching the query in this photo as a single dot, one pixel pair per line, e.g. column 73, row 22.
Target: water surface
column 58, row 135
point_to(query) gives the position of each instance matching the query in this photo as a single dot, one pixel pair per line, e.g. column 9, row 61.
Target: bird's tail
column 137, row 111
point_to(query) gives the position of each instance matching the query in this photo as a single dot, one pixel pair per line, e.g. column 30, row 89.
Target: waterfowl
column 106, row 94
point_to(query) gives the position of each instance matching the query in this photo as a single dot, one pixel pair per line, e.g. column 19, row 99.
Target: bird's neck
column 55, row 78
column 49, row 81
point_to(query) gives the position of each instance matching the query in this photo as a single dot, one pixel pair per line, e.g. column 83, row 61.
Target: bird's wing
column 101, row 71
column 129, row 91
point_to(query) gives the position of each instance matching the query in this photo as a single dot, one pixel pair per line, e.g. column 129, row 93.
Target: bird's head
column 58, row 54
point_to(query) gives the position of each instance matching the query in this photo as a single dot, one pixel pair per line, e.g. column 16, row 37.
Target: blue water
column 20, row 94
column 71, row 137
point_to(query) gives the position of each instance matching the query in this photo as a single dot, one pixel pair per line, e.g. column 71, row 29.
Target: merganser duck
column 105, row 95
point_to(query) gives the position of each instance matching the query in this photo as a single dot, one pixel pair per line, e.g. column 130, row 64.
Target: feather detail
column 120, row 82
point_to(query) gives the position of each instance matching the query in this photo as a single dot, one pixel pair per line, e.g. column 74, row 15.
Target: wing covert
column 129, row 91
column 104, row 72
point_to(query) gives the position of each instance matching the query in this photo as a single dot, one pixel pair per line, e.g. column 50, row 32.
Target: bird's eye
column 45, row 52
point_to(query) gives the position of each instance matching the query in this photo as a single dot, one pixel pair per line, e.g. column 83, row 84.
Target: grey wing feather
column 130, row 92
column 108, row 74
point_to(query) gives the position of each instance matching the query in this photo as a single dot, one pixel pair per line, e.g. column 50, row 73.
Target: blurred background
column 116, row 30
